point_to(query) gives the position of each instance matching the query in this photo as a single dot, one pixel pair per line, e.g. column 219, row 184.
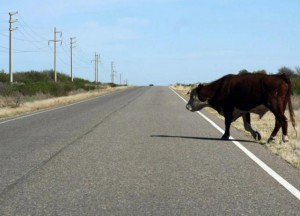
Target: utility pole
column 96, row 67
column 55, row 41
column 116, row 76
column 11, row 29
column 112, row 75
column 98, row 60
column 120, row 78
column 71, row 47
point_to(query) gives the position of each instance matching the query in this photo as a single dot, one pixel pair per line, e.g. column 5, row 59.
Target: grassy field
column 289, row 151
column 8, row 107
column 35, row 90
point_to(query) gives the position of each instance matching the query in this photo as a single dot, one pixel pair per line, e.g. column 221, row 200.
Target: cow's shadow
column 201, row 138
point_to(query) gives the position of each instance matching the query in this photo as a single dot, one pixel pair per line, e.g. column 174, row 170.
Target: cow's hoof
column 285, row 138
column 225, row 137
column 271, row 139
column 257, row 136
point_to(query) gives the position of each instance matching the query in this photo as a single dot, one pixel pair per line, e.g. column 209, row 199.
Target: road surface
column 135, row 152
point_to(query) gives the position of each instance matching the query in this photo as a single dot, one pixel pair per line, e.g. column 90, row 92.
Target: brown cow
column 234, row 96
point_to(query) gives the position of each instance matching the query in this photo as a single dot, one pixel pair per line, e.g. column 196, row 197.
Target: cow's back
column 248, row 91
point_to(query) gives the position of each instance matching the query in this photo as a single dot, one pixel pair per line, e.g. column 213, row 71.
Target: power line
column 32, row 42
column 4, row 47
column 4, row 35
column 62, row 61
column 34, row 33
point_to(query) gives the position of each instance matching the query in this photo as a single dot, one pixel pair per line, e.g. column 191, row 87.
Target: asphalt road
column 135, row 152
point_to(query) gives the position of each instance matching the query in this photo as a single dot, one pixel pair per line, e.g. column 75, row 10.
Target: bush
column 6, row 89
column 31, row 89
column 30, row 77
column 296, row 87
column 33, row 82
column 4, row 77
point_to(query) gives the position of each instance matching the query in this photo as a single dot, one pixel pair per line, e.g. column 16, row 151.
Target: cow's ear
column 201, row 93
column 200, row 86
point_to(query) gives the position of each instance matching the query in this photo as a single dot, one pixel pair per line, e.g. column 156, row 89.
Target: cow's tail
column 292, row 114
column 289, row 95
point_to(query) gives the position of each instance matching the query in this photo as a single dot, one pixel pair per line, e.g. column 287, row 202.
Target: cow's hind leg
column 274, row 132
column 247, row 125
column 284, row 125
column 281, row 121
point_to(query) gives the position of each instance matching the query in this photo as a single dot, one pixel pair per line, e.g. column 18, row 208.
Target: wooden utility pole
column 55, row 41
column 11, row 29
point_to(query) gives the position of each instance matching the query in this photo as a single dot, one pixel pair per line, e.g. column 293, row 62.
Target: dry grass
column 8, row 107
column 183, row 90
column 289, row 151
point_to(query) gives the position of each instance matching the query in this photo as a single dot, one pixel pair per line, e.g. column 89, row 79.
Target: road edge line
column 293, row 190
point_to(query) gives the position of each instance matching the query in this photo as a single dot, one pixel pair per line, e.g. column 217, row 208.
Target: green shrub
column 6, row 89
column 32, row 76
column 4, row 77
column 296, row 88
column 34, row 82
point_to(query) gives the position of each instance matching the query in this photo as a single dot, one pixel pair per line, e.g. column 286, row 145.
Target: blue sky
column 154, row 41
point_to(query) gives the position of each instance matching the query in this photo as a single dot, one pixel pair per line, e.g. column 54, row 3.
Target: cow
column 235, row 96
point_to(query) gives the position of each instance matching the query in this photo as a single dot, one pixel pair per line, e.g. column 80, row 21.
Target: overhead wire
column 34, row 42
column 31, row 29
column 29, row 37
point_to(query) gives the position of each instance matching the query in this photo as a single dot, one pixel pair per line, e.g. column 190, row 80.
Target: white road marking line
column 259, row 162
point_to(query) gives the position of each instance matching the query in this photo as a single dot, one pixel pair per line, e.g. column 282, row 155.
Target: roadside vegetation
column 290, row 151
column 39, row 89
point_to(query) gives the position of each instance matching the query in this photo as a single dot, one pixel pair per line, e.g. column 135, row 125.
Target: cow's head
column 198, row 100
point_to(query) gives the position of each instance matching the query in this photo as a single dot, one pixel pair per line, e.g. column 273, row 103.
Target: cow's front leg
column 228, row 120
column 247, row 125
